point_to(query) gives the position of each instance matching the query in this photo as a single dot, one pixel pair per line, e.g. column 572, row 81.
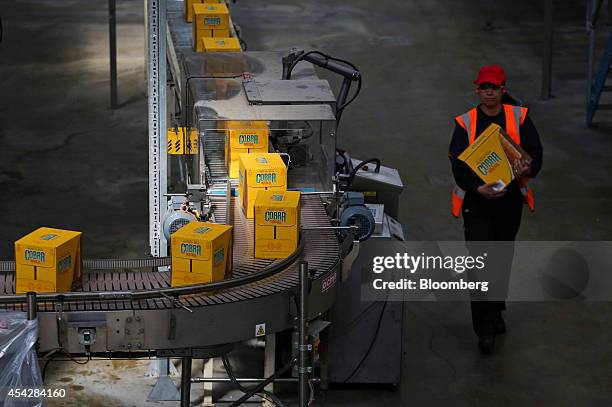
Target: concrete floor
column 67, row 160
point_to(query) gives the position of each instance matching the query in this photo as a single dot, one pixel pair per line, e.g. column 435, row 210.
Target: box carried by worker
column 243, row 137
column 201, row 253
column 491, row 154
column 209, row 20
column 277, row 223
column 48, row 260
column 259, row 172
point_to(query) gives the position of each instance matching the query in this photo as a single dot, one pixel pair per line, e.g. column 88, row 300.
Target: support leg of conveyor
column 269, row 364
column 208, row 386
column 165, row 389
column 186, row 381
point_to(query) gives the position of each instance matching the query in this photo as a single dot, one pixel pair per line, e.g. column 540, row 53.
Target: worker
column 489, row 213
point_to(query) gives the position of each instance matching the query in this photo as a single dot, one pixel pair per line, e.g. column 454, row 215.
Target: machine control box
column 259, row 172
column 277, row 223
column 48, row 260
column 209, row 20
column 243, row 137
column 201, row 253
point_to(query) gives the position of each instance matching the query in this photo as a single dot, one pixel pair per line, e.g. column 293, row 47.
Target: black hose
column 359, row 166
column 164, row 292
column 230, row 373
column 371, row 346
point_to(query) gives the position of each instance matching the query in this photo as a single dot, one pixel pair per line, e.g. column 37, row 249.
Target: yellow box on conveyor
column 188, row 7
column 277, row 223
column 201, row 253
column 48, row 260
column 259, row 172
column 228, row 44
column 209, row 20
column 243, row 137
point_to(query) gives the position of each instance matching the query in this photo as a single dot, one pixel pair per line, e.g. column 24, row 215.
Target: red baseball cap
column 491, row 74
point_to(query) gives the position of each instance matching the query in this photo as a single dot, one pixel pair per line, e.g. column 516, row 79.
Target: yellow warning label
column 260, row 330
column 178, row 143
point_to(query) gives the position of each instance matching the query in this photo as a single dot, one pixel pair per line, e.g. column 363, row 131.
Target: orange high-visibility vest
column 515, row 116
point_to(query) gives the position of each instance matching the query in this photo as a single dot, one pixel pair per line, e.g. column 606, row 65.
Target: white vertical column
column 156, row 78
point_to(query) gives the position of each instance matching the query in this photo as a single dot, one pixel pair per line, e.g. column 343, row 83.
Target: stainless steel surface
column 236, row 107
column 31, row 304
column 260, row 65
column 274, row 91
column 309, row 126
column 386, row 184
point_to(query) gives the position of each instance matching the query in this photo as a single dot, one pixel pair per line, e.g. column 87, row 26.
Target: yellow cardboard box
column 229, row 44
column 48, row 260
column 210, row 16
column 198, row 45
column 201, row 253
column 259, row 172
column 209, row 20
column 178, row 142
column 243, row 137
column 188, row 7
column 277, row 223
column 487, row 157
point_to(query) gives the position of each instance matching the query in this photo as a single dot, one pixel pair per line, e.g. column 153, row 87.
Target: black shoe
column 500, row 326
column 486, row 344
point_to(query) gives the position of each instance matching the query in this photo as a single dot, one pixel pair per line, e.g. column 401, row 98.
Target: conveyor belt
column 320, row 251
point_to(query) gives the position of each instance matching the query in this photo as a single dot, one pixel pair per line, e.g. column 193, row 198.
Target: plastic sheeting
column 19, row 367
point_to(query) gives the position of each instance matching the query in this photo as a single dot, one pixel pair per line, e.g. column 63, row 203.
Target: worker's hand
column 489, row 191
column 521, row 168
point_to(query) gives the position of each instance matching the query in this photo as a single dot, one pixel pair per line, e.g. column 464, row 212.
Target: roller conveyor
column 321, row 251
column 265, row 300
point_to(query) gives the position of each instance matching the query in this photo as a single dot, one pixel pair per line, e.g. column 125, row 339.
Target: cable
column 301, row 58
column 329, row 57
column 264, row 393
column 47, row 358
column 353, row 173
column 365, row 356
column 345, row 329
column 311, row 399
column 348, row 102
column 51, row 355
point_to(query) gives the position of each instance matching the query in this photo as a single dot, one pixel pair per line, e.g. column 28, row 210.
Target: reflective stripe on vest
column 457, row 201
column 468, row 122
column 515, row 116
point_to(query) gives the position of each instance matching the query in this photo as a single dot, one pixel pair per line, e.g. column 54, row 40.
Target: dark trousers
column 483, row 225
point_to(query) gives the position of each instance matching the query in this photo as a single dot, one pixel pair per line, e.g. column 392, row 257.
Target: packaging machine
column 129, row 306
